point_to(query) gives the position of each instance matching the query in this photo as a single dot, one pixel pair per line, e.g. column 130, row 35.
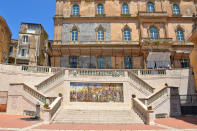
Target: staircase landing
column 97, row 117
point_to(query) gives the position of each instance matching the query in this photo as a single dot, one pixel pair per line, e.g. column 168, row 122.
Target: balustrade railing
column 152, row 72
column 51, row 80
column 156, row 96
column 41, row 97
column 142, row 83
column 142, row 110
column 96, row 72
column 55, row 105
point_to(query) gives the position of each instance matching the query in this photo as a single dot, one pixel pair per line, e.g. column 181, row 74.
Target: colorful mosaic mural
column 96, row 92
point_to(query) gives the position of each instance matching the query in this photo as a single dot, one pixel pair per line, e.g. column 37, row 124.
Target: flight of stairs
column 97, row 117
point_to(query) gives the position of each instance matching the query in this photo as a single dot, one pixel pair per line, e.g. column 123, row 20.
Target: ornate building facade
column 5, row 38
column 122, row 34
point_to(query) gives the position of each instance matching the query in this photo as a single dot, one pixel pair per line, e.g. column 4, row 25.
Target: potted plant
column 149, row 107
column 60, row 94
column 166, row 84
column 133, row 95
column 46, row 106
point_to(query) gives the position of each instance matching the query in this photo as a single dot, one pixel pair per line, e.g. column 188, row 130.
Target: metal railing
column 156, row 41
column 152, row 14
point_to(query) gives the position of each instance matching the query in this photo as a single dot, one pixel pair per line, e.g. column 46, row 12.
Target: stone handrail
column 143, row 84
column 152, row 71
column 36, row 94
column 53, row 107
column 142, row 110
column 51, row 80
column 157, row 95
column 41, row 69
column 97, row 72
column 100, row 42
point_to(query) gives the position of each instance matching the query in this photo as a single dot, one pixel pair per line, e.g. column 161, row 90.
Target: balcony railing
column 156, row 41
column 99, row 42
column 152, row 14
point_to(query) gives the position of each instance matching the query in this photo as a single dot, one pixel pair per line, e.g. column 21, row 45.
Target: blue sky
column 29, row 11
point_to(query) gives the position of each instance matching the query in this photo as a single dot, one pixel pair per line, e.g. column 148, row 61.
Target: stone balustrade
column 97, row 72
column 51, row 80
column 142, row 110
column 142, row 83
column 152, row 71
column 53, row 107
column 156, row 96
column 41, row 97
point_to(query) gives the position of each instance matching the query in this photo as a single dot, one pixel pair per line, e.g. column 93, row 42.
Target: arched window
column 127, row 34
column 100, row 35
column 74, row 35
column 180, row 35
column 176, row 9
column 153, row 32
column 151, row 7
column 100, row 9
column 125, row 8
column 75, row 10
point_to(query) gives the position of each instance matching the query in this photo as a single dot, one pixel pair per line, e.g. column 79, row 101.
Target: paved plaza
column 17, row 122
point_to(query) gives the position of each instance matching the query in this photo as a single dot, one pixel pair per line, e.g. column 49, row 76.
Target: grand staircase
column 97, row 117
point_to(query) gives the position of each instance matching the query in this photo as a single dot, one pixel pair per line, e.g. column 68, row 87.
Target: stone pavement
column 23, row 123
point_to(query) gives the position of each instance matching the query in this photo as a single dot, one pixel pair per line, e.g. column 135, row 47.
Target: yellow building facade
column 5, row 38
column 122, row 34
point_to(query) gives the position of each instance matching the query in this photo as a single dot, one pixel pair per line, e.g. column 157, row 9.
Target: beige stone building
column 32, row 45
column 5, row 38
column 12, row 51
column 122, row 34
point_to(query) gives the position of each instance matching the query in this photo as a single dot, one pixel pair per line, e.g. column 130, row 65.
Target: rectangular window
column 101, row 62
column 25, row 39
column 11, row 50
column 128, row 62
column 73, row 61
column 23, row 52
column 185, row 63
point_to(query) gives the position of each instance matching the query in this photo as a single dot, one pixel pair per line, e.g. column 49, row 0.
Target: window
column 101, row 35
column 33, row 27
column 125, row 9
column 151, row 7
column 127, row 34
column 176, row 9
column 73, row 62
column 101, row 62
column 184, row 63
column 153, row 33
column 100, row 9
column 180, row 35
column 11, row 50
column 75, row 10
column 128, row 62
column 25, row 39
column 23, row 52
column 74, row 35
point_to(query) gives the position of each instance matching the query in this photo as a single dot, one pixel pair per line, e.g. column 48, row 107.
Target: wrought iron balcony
column 156, row 41
column 152, row 14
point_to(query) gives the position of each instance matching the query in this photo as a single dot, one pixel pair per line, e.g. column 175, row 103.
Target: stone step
column 97, row 117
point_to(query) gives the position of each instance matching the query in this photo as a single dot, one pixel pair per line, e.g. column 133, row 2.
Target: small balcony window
column 128, row 62
column 125, row 9
column 153, row 33
column 180, row 35
column 151, row 7
column 100, row 9
column 73, row 61
column 25, row 39
column 127, row 34
column 185, row 63
column 75, row 10
column 101, row 35
column 176, row 9
column 74, row 35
